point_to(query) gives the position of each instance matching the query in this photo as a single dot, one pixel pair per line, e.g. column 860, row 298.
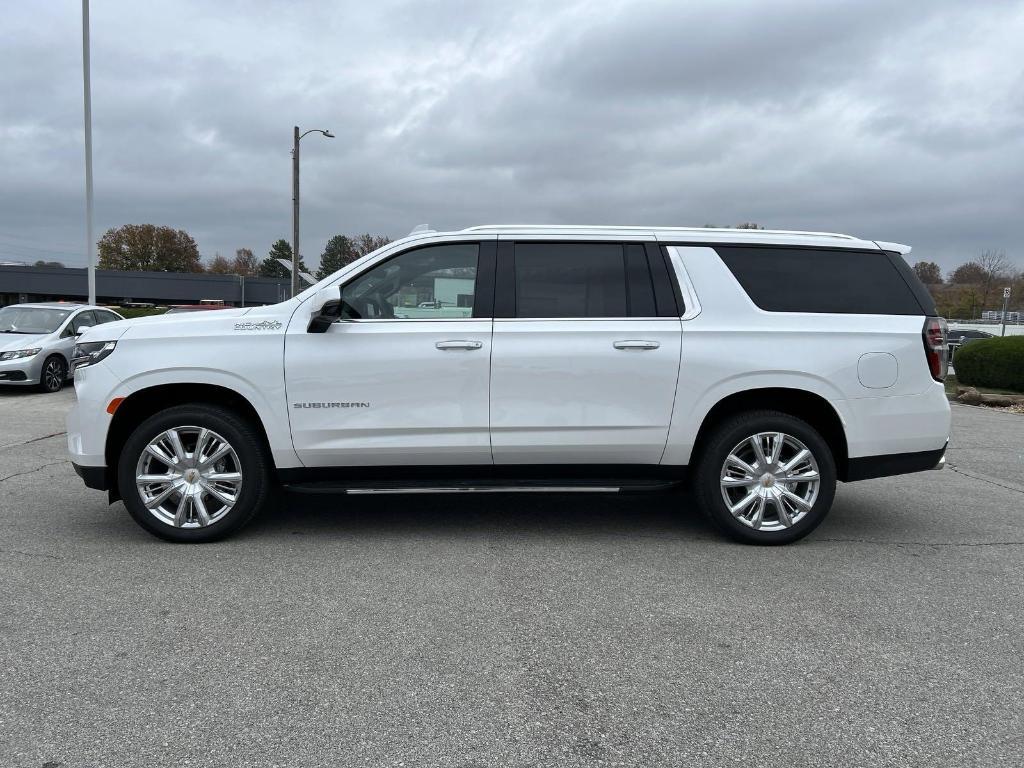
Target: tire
column 53, row 374
column 192, row 504
column 779, row 518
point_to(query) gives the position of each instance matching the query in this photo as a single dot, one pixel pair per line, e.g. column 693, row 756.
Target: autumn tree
column 928, row 272
column 220, row 266
column 148, row 248
column 369, row 243
column 971, row 273
column 245, row 263
column 270, row 267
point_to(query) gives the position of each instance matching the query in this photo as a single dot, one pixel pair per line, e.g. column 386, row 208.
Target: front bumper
column 93, row 477
column 23, row 372
column 88, row 420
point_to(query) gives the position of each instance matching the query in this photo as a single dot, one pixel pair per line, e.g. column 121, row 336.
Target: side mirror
column 82, row 329
column 325, row 311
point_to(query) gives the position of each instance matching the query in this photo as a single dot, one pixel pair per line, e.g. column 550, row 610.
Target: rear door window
column 82, row 320
column 581, row 280
column 102, row 316
column 826, row 280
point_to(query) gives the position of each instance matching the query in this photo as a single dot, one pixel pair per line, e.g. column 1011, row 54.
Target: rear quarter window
column 821, row 280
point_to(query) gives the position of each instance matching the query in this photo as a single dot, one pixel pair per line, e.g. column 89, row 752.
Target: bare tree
column 996, row 270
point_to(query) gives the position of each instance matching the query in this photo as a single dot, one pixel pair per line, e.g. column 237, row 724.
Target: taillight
column 935, row 349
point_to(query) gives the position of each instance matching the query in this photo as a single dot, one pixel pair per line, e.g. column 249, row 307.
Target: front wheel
column 194, row 473
column 766, row 478
column 53, row 374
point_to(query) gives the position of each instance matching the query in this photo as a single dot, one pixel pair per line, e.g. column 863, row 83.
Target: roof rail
column 731, row 230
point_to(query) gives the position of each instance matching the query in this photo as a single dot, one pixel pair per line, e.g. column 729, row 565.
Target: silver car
column 36, row 341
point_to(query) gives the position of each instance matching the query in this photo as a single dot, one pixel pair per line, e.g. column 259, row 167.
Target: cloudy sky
column 891, row 121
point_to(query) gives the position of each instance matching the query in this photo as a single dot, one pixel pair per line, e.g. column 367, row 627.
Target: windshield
column 31, row 319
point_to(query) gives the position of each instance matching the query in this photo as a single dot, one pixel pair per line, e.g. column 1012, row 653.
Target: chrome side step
column 484, row 489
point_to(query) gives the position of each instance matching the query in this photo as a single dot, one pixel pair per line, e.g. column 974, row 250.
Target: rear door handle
column 636, row 344
column 459, row 344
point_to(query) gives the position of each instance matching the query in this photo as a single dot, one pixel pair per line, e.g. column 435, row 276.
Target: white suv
column 762, row 366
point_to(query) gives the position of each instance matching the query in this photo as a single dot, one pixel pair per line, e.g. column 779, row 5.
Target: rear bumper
column 867, row 467
column 93, row 477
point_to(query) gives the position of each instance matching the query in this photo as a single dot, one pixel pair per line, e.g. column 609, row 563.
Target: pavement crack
column 36, row 469
column 985, row 479
column 33, row 440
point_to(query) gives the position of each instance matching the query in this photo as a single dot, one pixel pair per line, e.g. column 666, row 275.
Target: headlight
column 18, row 354
column 91, row 352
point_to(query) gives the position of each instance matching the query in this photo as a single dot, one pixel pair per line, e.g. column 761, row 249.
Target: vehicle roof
column 71, row 306
column 52, row 305
column 688, row 234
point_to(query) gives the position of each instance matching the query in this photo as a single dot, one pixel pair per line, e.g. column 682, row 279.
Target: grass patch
column 130, row 313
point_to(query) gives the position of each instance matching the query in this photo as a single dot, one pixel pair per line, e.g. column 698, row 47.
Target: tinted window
column 437, row 282
column 821, row 280
column 570, row 280
column 83, row 320
column 103, row 316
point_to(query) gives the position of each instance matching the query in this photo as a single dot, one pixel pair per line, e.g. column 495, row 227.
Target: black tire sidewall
column 731, row 433
column 242, row 437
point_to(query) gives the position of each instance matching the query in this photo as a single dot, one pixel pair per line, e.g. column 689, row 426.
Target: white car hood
column 9, row 342
column 114, row 331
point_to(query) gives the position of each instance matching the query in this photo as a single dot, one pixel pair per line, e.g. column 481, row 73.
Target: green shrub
column 129, row 313
column 995, row 362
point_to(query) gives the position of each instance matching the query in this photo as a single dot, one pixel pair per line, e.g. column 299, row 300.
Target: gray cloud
column 891, row 121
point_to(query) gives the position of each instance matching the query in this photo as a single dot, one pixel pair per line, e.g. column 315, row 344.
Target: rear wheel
column 766, row 478
column 194, row 473
column 53, row 374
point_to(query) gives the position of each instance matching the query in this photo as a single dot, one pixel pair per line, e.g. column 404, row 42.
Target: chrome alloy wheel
column 770, row 481
column 53, row 375
column 189, row 477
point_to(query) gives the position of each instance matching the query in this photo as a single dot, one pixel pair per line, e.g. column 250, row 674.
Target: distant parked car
column 958, row 338
column 36, row 341
column 179, row 308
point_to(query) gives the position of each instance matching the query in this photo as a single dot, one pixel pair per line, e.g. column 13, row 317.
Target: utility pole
column 1006, row 300
column 295, row 213
column 295, row 202
column 87, row 91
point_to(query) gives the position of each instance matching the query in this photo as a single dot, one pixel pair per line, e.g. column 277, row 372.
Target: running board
column 396, row 488
column 488, row 489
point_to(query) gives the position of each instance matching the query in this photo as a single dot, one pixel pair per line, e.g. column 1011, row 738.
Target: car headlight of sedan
column 19, row 353
column 90, row 352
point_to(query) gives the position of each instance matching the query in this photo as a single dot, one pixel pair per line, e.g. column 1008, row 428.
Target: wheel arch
column 801, row 403
column 143, row 403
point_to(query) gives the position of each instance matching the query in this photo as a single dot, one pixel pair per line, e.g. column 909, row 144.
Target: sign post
column 1006, row 301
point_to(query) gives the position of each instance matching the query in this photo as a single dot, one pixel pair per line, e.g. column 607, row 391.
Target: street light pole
column 295, row 213
column 87, row 94
column 295, row 202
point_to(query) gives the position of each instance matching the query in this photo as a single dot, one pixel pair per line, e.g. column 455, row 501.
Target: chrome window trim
column 575, row 319
column 346, row 320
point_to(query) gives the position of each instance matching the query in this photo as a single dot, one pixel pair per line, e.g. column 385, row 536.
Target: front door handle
column 459, row 344
column 636, row 344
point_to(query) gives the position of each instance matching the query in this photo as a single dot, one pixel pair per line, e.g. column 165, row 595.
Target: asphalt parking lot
column 503, row 631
